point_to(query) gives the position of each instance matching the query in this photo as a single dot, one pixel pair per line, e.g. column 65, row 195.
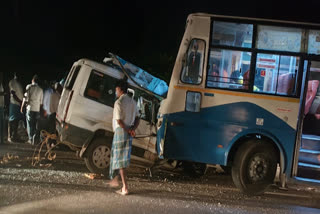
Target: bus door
column 308, row 152
column 184, row 125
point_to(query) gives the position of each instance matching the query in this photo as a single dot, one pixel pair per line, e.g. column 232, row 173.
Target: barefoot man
column 125, row 122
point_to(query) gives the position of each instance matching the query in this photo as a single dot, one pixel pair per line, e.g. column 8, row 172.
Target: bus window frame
column 254, row 51
column 231, row 49
column 298, row 80
column 203, row 61
column 297, row 87
column 236, row 22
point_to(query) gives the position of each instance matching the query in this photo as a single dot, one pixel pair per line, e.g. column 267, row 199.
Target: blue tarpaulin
column 144, row 79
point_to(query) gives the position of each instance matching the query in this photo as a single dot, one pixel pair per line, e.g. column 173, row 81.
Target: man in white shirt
column 34, row 100
column 1, row 109
column 54, row 102
column 125, row 122
column 16, row 96
column 47, row 92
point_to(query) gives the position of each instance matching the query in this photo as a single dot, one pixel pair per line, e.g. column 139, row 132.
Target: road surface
column 61, row 187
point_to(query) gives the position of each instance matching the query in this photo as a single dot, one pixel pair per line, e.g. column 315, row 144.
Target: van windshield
column 144, row 79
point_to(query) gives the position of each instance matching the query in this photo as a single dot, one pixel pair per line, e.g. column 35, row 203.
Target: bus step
column 308, row 151
column 308, row 165
column 310, row 142
column 311, row 137
column 309, row 159
column 309, row 171
column 307, row 179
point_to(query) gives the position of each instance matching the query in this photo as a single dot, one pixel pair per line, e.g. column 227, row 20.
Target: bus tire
column 254, row 167
column 97, row 156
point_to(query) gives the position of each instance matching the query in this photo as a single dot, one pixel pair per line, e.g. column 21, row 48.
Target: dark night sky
column 46, row 37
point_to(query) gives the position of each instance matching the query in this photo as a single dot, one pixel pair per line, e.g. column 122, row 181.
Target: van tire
column 254, row 167
column 96, row 155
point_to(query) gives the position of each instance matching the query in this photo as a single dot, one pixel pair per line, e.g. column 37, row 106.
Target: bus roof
column 256, row 19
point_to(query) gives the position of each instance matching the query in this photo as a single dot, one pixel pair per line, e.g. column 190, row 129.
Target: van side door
column 67, row 92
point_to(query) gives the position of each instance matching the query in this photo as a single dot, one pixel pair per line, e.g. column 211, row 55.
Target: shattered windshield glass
column 144, row 79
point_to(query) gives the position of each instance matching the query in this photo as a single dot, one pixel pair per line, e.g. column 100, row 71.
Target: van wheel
column 254, row 167
column 97, row 156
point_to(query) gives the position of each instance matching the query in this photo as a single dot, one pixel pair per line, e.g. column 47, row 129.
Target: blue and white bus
column 244, row 93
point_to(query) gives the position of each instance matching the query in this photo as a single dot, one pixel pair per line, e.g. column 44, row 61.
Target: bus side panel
column 217, row 128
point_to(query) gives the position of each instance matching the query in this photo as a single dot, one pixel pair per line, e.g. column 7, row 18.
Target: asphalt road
column 63, row 188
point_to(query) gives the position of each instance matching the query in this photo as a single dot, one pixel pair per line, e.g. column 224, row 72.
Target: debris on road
column 8, row 157
column 50, row 155
column 93, row 176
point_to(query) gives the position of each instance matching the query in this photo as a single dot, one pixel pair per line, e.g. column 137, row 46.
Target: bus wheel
column 254, row 167
column 97, row 156
column 193, row 169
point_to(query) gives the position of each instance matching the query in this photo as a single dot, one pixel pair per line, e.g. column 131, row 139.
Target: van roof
column 255, row 19
column 101, row 67
column 112, row 71
column 105, row 69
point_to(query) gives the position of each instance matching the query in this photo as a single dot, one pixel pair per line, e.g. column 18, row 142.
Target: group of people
column 37, row 102
column 36, row 106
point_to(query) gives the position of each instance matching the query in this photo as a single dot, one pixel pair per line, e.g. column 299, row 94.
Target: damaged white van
column 84, row 117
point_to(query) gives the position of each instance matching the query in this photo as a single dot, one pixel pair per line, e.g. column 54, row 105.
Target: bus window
column 276, row 74
column 193, row 101
column 279, row 38
column 192, row 69
column 228, row 69
column 232, row 34
column 314, row 42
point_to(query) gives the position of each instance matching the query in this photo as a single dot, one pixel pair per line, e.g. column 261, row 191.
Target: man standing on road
column 34, row 100
column 16, row 96
column 125, row 122
column 54, row 102
column 1, row 109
